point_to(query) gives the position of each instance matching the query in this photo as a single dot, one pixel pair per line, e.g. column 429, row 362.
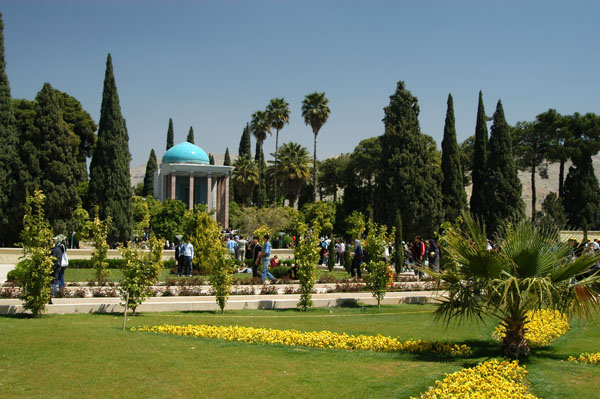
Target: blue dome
column 185, row 153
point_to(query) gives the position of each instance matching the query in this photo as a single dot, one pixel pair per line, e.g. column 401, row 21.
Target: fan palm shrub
column 531, row 269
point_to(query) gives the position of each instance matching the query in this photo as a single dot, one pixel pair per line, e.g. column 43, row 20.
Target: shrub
column 79, row 293
column 306, row 254
column 12, row 276
column 168, row 292
column 280, row 271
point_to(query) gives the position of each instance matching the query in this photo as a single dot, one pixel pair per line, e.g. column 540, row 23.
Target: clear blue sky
column 211, row 64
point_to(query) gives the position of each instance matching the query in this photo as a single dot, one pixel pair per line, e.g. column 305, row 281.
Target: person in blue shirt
column 265, row 256
column 231, row 246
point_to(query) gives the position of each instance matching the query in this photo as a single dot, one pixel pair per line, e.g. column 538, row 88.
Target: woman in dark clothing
column 433, row 254
column 357, row 259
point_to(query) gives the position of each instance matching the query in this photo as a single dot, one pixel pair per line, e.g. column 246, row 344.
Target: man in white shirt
column 188, row 255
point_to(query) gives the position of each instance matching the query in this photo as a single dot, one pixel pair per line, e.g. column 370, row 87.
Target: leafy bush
column 280, row 271
column 307, row 257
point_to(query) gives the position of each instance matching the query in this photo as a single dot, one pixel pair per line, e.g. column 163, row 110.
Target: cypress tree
column 170, row 135
column 259, row 190
column 151, row 167
column 9, row 158
column 190, row 137
column 211, row 159
column 479, row 173
column 581, row 192
column 245, row 147
column 408, row 181
column 503, row 201
column 57, row 157
column 110, row 185
column 454, row 198
column 227, row 159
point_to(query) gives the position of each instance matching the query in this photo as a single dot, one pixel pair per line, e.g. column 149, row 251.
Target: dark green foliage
column 110, row 186
column 454, row 197
column 151, row 168
column 503, row 201
column 553, row 213
column 408, row 181
column 479, row 171
column 558, row 134
column 9, row 158
column 81, row 125
column 57, row 157
column 581, row 192
column 332, row 174
column 259, row 190
column 359, row 176
column 167, row 220
column 190, row 137
column 227, row 158
column 245, row 147
column 398, row 247
column 331, row 255
column 211, row 159
column 466, row 159
column 170, row 135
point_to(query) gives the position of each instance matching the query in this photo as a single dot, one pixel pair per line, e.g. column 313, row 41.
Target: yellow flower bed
column 588, row 358
column 490, row 380
column 315, row 339
column 543, row 327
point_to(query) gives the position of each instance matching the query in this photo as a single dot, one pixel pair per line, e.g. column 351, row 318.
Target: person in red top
column 418, row 250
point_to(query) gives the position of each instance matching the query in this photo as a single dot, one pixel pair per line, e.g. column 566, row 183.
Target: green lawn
column 73, row 356
column 73, row 275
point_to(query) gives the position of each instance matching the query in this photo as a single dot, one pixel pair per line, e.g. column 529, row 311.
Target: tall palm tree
column 278, row 111
column 530, row 270
column 315, row 113
column 260, row 126
column 245, row 177
column 293, row 170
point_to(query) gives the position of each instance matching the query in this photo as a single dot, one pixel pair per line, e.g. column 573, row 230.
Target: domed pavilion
column 185, row 174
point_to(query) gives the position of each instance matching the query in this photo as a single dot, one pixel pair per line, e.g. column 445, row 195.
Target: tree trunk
column 514, row 344
column 315, row 169
column 259, row 197
column 275, row 168
column 561, row 178
column 533, row 196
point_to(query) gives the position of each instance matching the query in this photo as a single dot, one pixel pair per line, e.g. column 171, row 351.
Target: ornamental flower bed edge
column 315, row 339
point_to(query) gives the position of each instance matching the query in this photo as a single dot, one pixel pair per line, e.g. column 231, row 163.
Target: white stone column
column 172, row 185
column 191, row 196
column 208, row 192
column 226, row 217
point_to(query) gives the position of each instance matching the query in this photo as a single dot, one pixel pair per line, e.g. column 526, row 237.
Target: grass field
column 74, row 356
column 72, row 275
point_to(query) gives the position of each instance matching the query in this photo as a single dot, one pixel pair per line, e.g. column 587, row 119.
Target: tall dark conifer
column 110, row 185
column 503, row 188
column 479, row 172
column 9, row 159
column 211, row 159
column 454, row 198
column 227, row 158
column 259, row 191
column 245, row 147
column 170, row 135
column 151, row 167
column 407, row 182
column 57, row 157
column 190, row 137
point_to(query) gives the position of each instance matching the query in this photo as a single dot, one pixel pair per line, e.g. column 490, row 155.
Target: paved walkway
column 208, row 303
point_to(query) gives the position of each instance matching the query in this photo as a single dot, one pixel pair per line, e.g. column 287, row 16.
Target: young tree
column 110, row 185
column 306, row 255
column 34, row 273
column 209, row 252
column 278, row 112
column 245, row 147
column 315, row 112
column 454, row 198
column 408, row 180
column 190, row 136
column 151, row 168
column 167, row 219
column 140, row 271
column 98, row 231
column 227, row 158
column 503, row 187
column 170, row 134
column 479, row 171
column 9, row 158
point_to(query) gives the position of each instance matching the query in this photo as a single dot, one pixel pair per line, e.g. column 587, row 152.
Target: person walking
column 434, row 255
column 188, row 254
column 357, row 259
column 179, row 258
column 231, row 246
column 265, row 256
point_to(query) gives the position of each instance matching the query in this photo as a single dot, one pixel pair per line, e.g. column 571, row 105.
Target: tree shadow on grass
column 480, row 349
